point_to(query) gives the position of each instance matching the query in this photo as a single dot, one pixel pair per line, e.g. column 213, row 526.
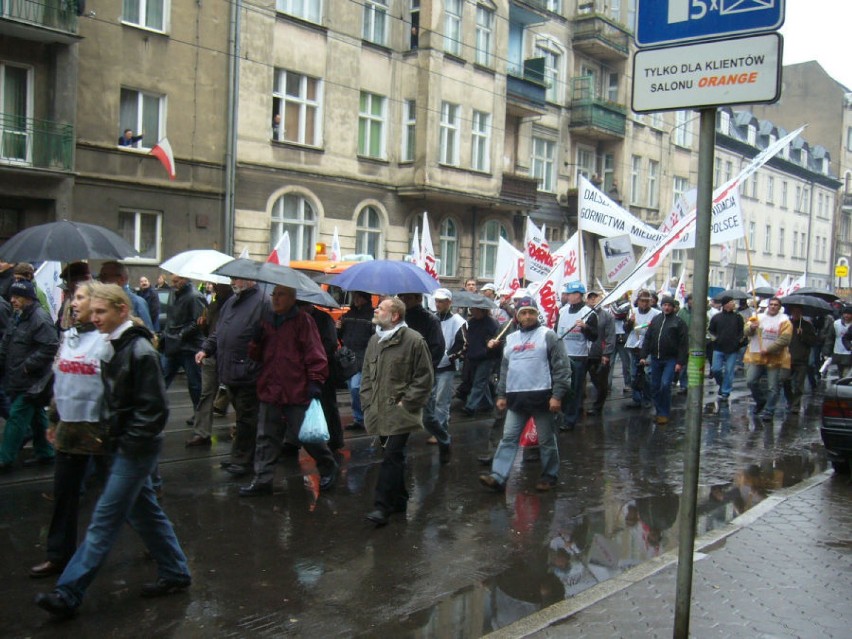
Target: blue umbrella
column 386, row 277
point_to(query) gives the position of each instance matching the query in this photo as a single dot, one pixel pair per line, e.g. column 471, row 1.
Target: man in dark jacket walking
column 726, row 334
column 229, row 343
column 136, row 412
column 26, row 355
column 293, row 367
column 600, row 354
column 665, row 348
column 481, row 329
column 803, row 340
column 182, row 337
column 355, row 330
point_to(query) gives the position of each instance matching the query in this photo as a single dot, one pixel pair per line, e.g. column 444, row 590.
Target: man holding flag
column 577, row 327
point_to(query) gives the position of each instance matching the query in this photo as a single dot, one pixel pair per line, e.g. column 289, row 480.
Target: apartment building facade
column 38, row 85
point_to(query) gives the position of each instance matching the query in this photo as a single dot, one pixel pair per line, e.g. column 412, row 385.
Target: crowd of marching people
column 89, row 389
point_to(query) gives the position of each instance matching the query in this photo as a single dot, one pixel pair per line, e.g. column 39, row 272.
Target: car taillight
column 833, row 408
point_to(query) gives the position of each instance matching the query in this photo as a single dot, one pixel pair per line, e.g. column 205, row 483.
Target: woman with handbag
column 78, row 436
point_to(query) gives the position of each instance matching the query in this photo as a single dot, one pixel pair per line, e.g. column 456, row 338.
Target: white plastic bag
column 314, row 429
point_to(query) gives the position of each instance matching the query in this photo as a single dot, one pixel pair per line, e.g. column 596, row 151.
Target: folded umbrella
column 386, row 277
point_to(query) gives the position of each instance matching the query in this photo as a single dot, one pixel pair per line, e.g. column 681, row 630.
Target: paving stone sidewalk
column 783, row 569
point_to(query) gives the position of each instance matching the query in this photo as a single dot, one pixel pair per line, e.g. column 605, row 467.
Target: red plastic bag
column 529, row 436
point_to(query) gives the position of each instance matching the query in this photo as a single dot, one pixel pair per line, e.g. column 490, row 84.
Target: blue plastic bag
column 314, row 429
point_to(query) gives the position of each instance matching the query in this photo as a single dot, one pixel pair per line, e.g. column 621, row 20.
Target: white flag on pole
column 509, row 268
column 427, row 253
column 415, row 246
column 281, row 253
column 335, row 255
column 538, row 261
column 47, row 279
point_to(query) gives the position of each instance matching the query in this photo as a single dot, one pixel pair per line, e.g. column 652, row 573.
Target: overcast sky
column 820, row 30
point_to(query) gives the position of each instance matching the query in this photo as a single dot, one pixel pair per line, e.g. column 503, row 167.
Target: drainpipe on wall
column 232, row 116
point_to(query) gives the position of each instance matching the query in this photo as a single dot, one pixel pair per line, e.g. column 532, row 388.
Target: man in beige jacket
column 767, row 354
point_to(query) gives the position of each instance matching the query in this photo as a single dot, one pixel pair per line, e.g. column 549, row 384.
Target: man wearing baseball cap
column 577, row 327
column 534, row 375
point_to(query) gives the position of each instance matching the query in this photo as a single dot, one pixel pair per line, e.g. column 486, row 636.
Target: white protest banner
column 47, row 279
column 618, row 256
column 799, row 282
column 509, row 268
column 600, row 215
column 415, row 246
column 427, row 253
column 680, row 291
column 760, row 282
column 537, row 258
column 782, row 289
column 565, row 269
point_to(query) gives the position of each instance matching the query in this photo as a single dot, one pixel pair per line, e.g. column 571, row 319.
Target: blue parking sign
column 660, row 22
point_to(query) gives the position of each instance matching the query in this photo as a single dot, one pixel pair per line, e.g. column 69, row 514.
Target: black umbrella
column 812, row 305
column 765, row 291
column 817, row 292
column 733, row 294
column 65, row 241
column 466, row 299
column 270, row 273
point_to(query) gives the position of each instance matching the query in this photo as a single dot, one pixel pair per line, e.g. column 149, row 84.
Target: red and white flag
column 796, row 284
column 538, row 261
column 782, row 290
column 546, row 292
column 415, row 246
column 680, row 291
column 509, row 270
column 281, row 253
column 427, row 253
column 335, row 255
column 163, row 152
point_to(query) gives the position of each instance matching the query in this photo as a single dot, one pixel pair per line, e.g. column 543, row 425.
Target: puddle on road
column 631, row 516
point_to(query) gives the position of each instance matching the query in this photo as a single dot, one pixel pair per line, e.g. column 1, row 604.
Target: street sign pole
column 695, row 372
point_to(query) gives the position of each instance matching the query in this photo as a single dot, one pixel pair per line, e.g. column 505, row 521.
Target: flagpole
column 750, row 272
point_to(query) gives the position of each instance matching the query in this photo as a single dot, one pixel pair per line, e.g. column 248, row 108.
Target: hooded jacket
column 135, row 406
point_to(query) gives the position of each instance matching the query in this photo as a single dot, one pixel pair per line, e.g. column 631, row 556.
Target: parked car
column 836, row 429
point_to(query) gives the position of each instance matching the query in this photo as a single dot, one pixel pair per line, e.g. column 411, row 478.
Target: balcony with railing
column 519, row 190
column 40, row 20
column 30, row 143
column 599, row 37
column 592, row 117
column 525, row 86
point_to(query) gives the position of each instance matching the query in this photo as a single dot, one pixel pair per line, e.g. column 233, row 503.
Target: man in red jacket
column 293, row 367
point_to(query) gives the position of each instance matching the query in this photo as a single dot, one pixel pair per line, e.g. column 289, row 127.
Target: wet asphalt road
column 462, row 562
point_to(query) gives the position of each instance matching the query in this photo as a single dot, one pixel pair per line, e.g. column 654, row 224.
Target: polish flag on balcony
column 163, row 152
column 281, row 253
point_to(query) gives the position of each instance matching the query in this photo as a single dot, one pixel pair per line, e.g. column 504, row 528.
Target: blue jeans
column 662, row 376
column 722, row 369
column 128, row 496
column 480, row 392
column 571, row 408
column 25, row 416
column 624, row 357
column 186, row 361
column 354, row 384
column 504, row 457
column 765, row 402
column 437, row 422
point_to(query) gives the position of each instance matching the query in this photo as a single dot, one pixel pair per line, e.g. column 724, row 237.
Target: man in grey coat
column 396, row 384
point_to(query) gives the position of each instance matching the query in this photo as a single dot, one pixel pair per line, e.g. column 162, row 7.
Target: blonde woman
column 79, row 433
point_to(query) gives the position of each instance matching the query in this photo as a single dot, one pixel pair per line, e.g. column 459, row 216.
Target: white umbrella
column 199, row 265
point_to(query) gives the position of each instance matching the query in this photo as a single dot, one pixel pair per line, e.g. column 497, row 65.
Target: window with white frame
column 371, row 125
column 310, row 10
column 767, row 239
column 679, row 188
column 414, row 24
column 543, row 164
column 754, row 182
column 409, row 121
column 803, row 247
column 795, row 252
column 653, row 185
column 717, row 173
column 453, row 26
column 781, row 240
column 552, row 53
column 752, row 227
column 297, row 108
column 635, row 176
column 683, row 129
column 655, row 119
column 554, row 6
column 144, row 114
column 724, row 122
column 770, row 189
column 612, row 94
column 375, row 21
column 294, row 214
column 489, row 240
column 729, row 170
column 751, row 134
column 484, row 35
column 368, row 232
column 608, row 172
column 450, row 124
column 585, row 162
column 449, row 247
column 143, row 231
column 151, row 14
column 16, row 104
column 820, row 205
column 797, row 205
column 784, row 194
column 631, row 14
column 480, row 141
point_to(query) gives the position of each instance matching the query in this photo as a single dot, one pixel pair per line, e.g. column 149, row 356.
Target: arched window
column 368, row 232
column 294, row 214
column 449, row 238
column 489, row 239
